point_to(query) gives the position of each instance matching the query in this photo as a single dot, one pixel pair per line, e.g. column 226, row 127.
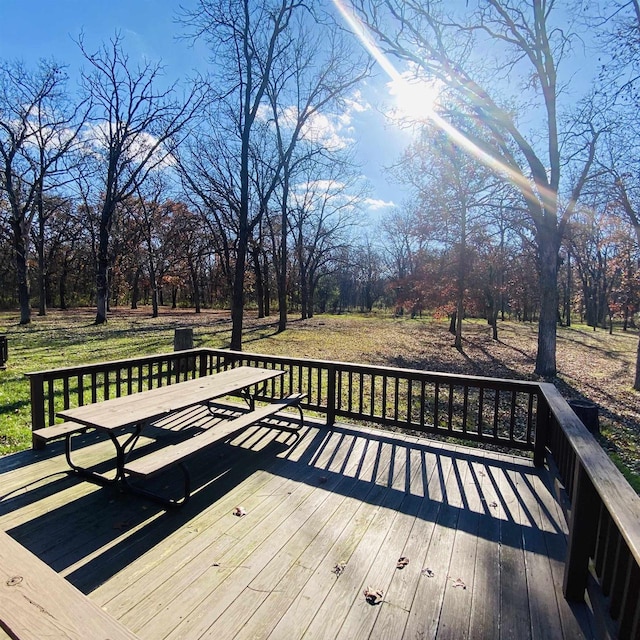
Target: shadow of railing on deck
column 104, row 531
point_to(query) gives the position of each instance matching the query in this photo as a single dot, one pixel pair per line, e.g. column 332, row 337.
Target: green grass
column 66, row 339
column 632, row 478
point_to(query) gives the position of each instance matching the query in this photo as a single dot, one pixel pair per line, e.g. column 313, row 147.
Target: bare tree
column 38, row 129
column 529, row 44
column 315, row 73
column 323, row 208
column 266, row 53
column 245, row 38
column 136, row 127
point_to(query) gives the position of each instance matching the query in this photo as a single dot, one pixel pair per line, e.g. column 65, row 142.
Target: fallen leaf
column 239, row 511
column 493, row 505
column 427, row 572
column 339, row 568
column 459, row 583
column 403, row 561
column 373, row 596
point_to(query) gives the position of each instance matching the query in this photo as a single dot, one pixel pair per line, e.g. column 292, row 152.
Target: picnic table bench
column 162, row 459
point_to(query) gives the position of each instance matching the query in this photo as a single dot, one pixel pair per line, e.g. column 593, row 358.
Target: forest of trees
column 225, row 191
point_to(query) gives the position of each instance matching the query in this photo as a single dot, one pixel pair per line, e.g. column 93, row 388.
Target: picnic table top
column 148, row 405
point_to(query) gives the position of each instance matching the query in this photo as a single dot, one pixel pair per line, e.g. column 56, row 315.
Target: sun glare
column 415, row 99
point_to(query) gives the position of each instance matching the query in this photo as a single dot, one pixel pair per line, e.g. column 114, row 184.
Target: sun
column 415, row 98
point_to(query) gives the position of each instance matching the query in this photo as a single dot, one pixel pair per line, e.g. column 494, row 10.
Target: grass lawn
column 593, row 365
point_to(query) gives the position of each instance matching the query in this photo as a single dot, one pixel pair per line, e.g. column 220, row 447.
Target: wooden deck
column 328, row 515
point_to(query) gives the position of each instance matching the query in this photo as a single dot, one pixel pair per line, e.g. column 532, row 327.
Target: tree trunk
column 62, row 285
column 567, row 313
column 304, row 289
column 237, row 294
column 135, row 289
column 196, row 289
column 42, row 270
column 20, row 248
column 459, row 314
column 636, row 383
column 282, row 280
column 267, row 288
column 154, row 292
column 102, row 276
column 547, row 325
column 257, row 266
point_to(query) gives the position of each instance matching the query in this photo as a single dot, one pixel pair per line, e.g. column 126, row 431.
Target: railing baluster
column 396, row 398
column 80, row 383
column 512, row 420
column 630, row 611
column 65, row 393
column 465, row 408
column 620, row 580
column 385, row 381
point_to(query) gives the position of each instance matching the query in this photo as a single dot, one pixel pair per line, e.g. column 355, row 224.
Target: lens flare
column 427, row 112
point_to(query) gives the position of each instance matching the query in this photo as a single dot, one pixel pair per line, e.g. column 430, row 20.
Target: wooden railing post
column 331, row 395
column 585, row 508
column 36, row 382
column 203, row 361
column 542, row 431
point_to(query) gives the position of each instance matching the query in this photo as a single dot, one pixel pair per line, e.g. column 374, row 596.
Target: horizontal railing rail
column 604, row 511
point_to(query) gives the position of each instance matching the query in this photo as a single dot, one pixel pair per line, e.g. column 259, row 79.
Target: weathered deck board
column 349, row 497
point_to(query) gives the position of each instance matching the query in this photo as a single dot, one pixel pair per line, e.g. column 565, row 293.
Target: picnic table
column 134, row 412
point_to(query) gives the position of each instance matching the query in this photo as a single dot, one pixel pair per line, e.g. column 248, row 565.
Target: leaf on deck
column 239, row 511
column 339, row 569
column 373, row 596
column 427, row 572
column 403, row 561
column 459, row 583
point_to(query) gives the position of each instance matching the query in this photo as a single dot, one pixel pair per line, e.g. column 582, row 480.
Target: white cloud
column 334, row 131
column 139, row 148
column 376, row 204
column 356, row 103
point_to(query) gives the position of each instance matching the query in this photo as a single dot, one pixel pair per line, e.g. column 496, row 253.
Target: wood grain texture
column 36, row 603
column 350, row 497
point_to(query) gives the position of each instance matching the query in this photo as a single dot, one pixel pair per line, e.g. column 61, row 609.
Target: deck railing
column 603, row 511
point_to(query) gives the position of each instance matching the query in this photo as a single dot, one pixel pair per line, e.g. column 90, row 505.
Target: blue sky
column 46, row 28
